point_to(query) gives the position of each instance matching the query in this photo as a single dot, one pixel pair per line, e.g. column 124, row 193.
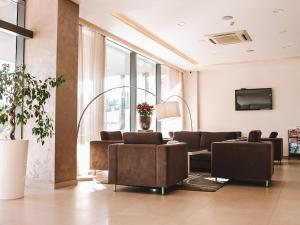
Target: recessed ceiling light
column 282, row 31
column 250, row 50
column 227, row 17
column 276, row 11
column 181, row 24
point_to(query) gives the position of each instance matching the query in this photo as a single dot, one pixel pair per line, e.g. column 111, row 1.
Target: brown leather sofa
column 143, row 160
column 99, row 149
column 243, row 160
column 197, row 140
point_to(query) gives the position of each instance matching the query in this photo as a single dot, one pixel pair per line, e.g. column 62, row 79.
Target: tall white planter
column 13, row 160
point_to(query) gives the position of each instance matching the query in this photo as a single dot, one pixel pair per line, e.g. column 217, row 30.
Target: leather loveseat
column 198, row 140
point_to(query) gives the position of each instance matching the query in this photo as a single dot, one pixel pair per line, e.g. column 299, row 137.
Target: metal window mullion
column 133, row 91
column 19, row 59
column 158, row 91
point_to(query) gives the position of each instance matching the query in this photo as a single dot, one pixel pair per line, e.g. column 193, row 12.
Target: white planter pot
column 13, row 160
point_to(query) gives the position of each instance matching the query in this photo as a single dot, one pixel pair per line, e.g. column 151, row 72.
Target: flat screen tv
column 253, row 99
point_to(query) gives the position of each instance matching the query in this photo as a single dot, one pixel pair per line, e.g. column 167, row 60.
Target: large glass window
column 117, row 102
column 146, row 79
column 8, row 13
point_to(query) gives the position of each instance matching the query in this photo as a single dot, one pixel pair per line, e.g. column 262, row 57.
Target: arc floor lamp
column 164, row 110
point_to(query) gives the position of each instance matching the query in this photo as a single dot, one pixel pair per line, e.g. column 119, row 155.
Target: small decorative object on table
column 145, row 111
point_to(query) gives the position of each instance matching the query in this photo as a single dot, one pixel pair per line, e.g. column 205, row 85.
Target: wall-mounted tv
column 253, row 99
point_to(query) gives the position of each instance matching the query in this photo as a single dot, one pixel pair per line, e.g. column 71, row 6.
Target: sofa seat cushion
column 191, row 138
column 207, row 138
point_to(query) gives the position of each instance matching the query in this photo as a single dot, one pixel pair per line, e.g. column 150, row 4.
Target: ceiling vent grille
column 234, row 37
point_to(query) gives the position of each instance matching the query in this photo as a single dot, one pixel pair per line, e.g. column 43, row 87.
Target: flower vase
column 145, row 122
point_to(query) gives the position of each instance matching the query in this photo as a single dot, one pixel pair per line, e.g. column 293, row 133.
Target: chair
column 277, row 144
column 273, row 134
column 143, row 160
column 243, row 160
column 99, row 149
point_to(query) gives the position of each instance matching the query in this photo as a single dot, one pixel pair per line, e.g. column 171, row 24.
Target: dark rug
column 202, row 182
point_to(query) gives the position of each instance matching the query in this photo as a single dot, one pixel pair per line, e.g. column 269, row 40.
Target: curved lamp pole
column 119, row 87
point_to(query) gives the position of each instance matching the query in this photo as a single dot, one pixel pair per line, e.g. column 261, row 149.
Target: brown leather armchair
column 243, row 160
column 278, row 148
column 99, row 149
column 143, row 160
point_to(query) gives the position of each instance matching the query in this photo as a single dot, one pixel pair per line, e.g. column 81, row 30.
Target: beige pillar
column 52, row 52
column 190, row 94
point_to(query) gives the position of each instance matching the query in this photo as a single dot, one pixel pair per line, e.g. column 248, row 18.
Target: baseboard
column 65, row 184
column 85, row 178
column 36, row 184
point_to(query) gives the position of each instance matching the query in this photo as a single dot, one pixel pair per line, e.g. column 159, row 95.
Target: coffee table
column 189, row 158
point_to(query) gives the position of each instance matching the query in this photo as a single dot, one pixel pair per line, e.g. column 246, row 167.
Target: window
column 8, row 11
column 117, row 102
column 119, row 67
column 146, row 79
column 8, row 43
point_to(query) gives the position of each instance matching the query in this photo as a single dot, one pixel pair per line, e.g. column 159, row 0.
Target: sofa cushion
column 192, row 138
column 254, row 136
column 207, row 138
column 154, row 138
column 111, row 135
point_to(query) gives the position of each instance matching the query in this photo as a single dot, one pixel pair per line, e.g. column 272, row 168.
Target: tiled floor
column 90, row 204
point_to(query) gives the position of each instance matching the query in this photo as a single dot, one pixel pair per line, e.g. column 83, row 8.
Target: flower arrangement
column 144, row 109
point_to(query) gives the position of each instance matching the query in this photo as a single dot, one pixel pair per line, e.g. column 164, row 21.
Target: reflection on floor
column 96, row 204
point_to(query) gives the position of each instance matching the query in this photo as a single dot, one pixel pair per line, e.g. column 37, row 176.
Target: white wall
column 217, row 102
column 190, row 95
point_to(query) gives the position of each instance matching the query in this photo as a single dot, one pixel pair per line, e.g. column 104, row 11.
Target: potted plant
column 145, row 111
column 22, row 98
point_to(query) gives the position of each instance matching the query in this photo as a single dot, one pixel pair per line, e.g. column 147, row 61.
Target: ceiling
column 274, row 35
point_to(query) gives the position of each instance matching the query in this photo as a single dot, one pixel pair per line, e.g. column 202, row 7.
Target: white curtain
column 171, row 83
column 91, row 70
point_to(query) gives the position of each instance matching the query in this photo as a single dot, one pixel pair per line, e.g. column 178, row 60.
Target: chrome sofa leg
column 162, row 191
column 115, row 188
column 267, row 183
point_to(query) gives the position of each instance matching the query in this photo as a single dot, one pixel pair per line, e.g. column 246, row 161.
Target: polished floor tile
column 237, row 203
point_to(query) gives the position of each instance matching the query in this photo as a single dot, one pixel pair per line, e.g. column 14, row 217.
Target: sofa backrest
column 154, row 138
column 111, row 135
column 192, row 138
column 207, row 138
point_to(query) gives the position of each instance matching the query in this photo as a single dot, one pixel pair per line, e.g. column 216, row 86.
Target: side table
column 189, row 158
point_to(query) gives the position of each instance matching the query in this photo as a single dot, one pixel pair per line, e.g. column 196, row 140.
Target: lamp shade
column 167, row 110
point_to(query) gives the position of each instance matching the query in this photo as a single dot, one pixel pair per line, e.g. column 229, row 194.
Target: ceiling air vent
column 234, row 37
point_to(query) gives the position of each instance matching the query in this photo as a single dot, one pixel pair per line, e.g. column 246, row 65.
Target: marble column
column 52, row 52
